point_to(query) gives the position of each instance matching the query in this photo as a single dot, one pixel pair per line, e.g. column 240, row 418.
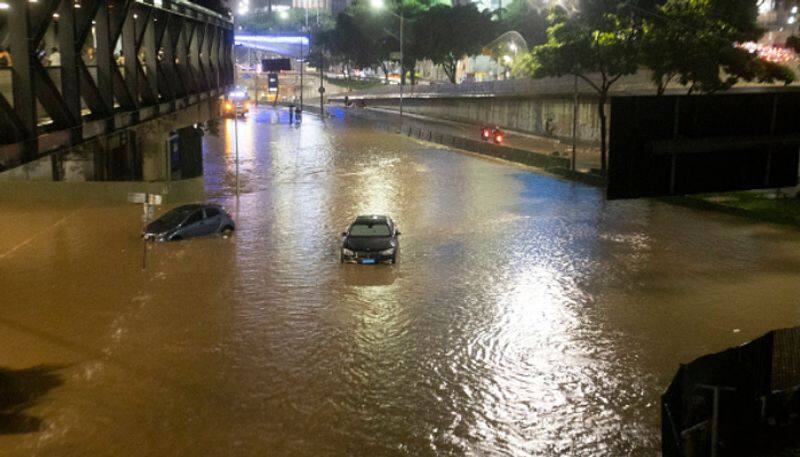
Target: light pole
column 302, row 61
column 243, row 7
column 302, row 58
column 378, row 5
column 236, row 141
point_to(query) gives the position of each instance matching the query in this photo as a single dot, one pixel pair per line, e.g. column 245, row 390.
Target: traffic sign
column 137, row 197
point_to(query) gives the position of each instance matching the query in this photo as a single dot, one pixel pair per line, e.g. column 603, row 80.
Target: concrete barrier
column 498, row 151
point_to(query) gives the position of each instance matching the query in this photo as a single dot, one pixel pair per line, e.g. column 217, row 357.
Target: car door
column 211, row 221
column 193, row 225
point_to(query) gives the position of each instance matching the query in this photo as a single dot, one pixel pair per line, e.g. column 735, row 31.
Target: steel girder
column 171, row 51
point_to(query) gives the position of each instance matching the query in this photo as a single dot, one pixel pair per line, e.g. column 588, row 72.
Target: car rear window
column 211, row 212
column 369, row 230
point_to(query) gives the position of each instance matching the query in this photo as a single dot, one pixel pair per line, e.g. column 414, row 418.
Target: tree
column 585, row 45
column 528, row 20
column 377, row 40
column 452, row 33
column 293, row 22
column 694, row 42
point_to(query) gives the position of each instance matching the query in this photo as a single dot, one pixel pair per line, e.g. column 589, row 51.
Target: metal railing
column 636, row 84
column 639, row 83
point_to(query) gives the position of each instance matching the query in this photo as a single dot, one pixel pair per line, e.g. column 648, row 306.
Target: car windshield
column 175, row 216
column 369, row 230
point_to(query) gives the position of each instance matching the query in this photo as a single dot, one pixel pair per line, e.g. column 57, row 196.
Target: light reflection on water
column 526, row 315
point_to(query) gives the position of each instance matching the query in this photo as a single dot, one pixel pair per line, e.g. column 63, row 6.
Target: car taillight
column 485, row 133
column 498, row 138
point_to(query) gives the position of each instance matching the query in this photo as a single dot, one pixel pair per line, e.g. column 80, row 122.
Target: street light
column 236, row 142
column 378, row 5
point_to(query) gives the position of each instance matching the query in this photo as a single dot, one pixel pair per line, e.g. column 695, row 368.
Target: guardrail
column 509, row 87
column 637, row 84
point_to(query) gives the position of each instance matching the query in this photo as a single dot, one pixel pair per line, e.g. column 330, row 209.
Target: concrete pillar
column 155, row 157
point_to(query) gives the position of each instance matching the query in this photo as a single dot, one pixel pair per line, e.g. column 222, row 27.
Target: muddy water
column 526, row 315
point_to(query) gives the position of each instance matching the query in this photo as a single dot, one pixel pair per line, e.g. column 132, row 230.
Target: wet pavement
column 526, row 315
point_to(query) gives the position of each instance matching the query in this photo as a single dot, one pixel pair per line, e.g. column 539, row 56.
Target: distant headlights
column 346, row 251
column 389, row 251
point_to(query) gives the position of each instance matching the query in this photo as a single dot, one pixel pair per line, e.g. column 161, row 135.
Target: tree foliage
column 585, row 46
column 693, row 42
column 452, row 33
column 530, row 20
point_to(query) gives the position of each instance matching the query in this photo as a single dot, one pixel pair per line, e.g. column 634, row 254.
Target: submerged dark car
column 370, row 239
column 189, row 220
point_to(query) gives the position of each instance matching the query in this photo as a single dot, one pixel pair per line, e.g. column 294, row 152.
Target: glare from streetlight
column 507, row 59
column 513, row 47
column 283, row 14
column 376, row 4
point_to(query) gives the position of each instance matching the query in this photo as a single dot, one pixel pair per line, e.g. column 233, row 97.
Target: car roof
column 195, row 206
column 372, row 219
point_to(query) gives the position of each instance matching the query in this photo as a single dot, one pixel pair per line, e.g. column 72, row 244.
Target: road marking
column 35, row 235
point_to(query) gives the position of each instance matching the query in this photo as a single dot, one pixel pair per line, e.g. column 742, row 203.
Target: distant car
column 236, row 103
column 370, row 239
column 188, row 221
column 494, row 134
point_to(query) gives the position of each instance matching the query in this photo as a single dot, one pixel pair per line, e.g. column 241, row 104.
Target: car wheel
column 226, row 231
column 176, row 238
column 394, row 259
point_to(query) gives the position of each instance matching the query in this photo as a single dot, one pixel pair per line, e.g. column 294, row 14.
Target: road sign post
column 149, row 203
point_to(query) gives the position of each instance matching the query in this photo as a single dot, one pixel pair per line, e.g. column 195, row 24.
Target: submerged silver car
column 189, row 220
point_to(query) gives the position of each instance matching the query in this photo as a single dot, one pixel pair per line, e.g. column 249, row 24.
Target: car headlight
column 346, row 251
column 389, row 251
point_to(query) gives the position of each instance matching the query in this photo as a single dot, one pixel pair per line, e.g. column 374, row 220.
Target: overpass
column 293, row 46
column 76, row 70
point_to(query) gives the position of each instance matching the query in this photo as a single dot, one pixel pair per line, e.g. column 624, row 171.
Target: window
column 369, row 230
column 211, row 212
column 196, row 217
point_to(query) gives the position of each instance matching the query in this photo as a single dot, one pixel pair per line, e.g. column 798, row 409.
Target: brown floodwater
column 526, row 316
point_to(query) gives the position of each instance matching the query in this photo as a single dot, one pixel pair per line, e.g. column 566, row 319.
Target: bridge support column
column 155, row 156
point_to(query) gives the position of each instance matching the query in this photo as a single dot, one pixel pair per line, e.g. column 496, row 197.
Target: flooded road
column 526, row 315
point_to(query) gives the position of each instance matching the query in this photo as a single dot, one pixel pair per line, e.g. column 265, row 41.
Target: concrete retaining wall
column 547, row 116
column 486, row 148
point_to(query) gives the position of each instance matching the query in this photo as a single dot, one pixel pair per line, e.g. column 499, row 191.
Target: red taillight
column 485, row 133
column 498, row 138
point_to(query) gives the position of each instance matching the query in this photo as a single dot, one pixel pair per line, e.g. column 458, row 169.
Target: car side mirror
column 398, row 233
column 344, row 233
